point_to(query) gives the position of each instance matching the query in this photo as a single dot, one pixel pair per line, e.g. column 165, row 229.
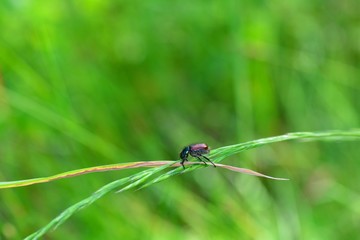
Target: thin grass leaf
column 247, row 171
column 78, row 172
column 199, row 165
column 132, row 181
column 220, row 153
column 62, row 217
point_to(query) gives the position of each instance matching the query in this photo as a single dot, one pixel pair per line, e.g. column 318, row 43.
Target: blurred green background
column 86, row 83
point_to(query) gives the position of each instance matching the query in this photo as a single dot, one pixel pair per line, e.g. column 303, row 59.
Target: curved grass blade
column 77, row 172
column 199, row 165
column 223, row 152
column 247, row 171
column 132, row 181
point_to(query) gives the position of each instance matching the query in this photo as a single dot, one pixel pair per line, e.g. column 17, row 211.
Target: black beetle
column 195, row 150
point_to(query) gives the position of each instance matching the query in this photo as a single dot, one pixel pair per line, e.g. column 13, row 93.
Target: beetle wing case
column 200, row 147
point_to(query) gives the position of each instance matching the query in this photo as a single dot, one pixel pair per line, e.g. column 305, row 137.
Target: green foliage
column 101, row 82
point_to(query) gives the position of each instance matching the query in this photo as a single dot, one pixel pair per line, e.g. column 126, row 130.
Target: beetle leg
column 198, row 157
column 182, row 162
column 209, row 161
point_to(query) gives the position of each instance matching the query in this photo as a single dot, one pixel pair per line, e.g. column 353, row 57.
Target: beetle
column 195, row 150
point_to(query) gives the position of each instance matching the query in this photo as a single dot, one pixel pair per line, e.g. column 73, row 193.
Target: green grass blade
column 133, row 181
column 220, row 153
column 77, row 172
